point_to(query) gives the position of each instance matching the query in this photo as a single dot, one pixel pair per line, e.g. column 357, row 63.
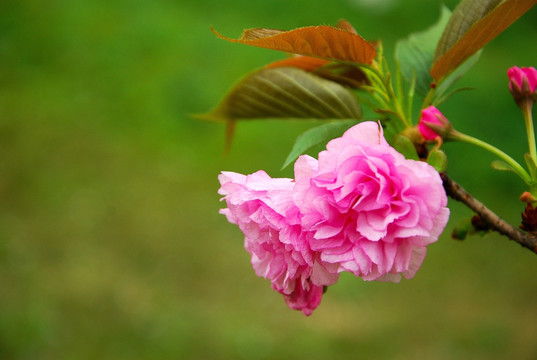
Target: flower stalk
column 515, row 166
column 526, row 107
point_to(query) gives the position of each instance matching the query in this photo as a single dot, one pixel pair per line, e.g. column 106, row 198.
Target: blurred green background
column 111, row 245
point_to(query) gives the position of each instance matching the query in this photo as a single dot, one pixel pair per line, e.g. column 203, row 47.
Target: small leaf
column 501, row 166
column 286, row 93
column 316, row 136
column 438, row 160
column 474, row 23
column 470, row 226
column 405, row 146
column 415, row 54
column 326, row 42
column 453, row 77
column 440, row 99
column 462, row 229
column 532, row 166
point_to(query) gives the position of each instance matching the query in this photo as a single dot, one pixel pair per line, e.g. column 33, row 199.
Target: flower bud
column 523, row 84
column 527, row 197
column 433, row 124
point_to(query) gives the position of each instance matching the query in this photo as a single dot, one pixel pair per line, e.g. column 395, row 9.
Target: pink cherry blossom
column 431, row 116
column 372, row 211
column 362, row 207
column 264, row 210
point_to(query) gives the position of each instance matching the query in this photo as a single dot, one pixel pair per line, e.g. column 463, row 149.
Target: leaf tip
column 345, row 25
column 210, row 116
column 288, row 161
column 220, row 36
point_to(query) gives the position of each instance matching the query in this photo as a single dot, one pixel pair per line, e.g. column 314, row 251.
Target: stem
column 495, row 222
column 397, row 106
column 517, row 168
column 428, row 98
column 528, row 119
column 411, row 92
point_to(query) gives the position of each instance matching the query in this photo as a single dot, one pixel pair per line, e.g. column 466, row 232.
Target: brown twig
column 495, row 222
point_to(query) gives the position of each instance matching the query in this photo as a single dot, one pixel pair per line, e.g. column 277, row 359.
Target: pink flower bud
column 432, row 116
column 523, row 84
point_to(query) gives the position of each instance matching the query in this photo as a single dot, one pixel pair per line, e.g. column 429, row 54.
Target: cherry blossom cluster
column 361, row 207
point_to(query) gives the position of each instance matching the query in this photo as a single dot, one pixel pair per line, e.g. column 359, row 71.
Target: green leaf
column 440, row 99
column 532, row 166
column 316, row 136
column 286, row 93
column 452, row 78
column 470, row 226
column 501, row 166
column 438, row 160
column 462, row 229
column 473, row 24
column 405, row 146
column 415, row 54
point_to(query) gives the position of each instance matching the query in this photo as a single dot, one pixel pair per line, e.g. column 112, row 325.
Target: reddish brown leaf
column 308, row 63
column 466, row 14
column 325, row 42
column 479, row 34
column 345, row 25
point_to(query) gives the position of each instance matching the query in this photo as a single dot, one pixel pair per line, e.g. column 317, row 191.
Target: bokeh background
column 111, row 245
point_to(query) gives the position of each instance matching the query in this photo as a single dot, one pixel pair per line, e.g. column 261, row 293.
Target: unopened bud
column 527, row 197
column 523, row 84
column 433, row 124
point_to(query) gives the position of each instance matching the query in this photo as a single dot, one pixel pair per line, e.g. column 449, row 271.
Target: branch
column 495, row 222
